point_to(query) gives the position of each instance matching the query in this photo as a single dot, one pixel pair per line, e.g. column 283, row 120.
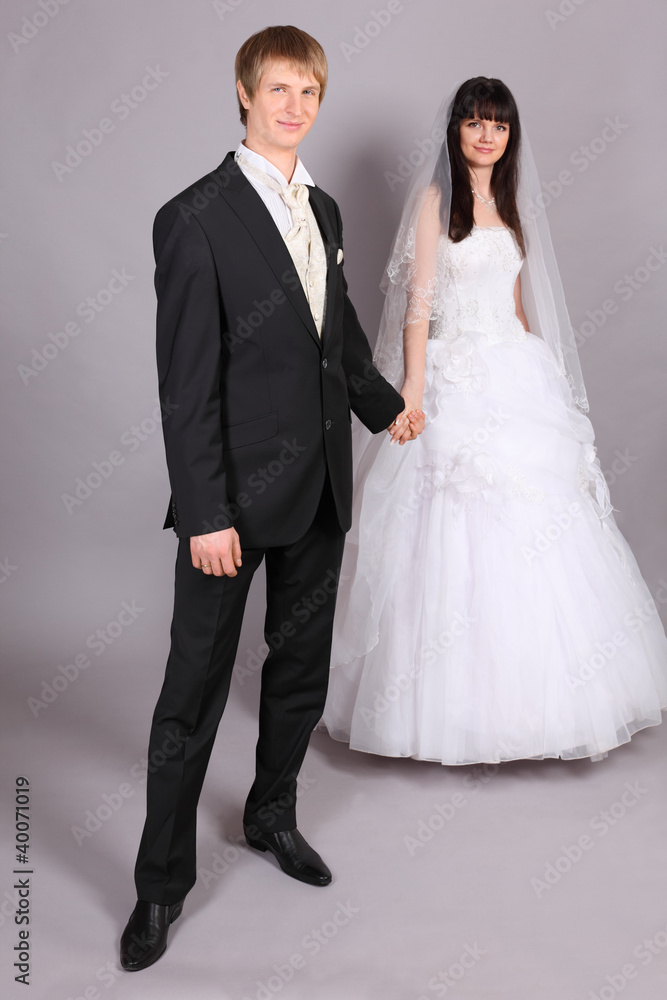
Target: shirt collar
column 300, row 175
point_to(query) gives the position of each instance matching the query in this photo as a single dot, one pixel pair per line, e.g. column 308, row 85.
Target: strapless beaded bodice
column 474, row 288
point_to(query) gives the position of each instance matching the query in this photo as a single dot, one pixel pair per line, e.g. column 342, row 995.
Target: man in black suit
column 261, row 356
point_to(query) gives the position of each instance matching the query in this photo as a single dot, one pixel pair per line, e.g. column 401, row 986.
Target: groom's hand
column 216, row 554
column 399, row 430
column 407, row 426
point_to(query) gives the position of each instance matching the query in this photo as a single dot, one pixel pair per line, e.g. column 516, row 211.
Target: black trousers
column 301, row 585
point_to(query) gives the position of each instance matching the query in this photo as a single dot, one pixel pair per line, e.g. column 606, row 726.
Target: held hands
column 409, row 424
column 216, row 554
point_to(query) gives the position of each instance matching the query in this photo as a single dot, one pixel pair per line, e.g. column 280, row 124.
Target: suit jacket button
column 324, row 362
column 328, row 425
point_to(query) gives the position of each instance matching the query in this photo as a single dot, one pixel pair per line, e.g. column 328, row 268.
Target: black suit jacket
column 257, row 405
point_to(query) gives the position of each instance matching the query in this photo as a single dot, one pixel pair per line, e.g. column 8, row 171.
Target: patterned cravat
column 304, row 240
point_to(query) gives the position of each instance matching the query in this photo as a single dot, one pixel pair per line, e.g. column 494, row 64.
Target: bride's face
column 483, row 142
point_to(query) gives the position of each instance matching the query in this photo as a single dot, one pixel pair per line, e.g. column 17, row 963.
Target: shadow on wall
column 370, row 212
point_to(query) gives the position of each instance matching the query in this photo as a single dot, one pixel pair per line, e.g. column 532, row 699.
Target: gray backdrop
column 109, row 109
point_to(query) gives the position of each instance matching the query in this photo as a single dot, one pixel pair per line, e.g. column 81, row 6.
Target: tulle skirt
column 489, row 607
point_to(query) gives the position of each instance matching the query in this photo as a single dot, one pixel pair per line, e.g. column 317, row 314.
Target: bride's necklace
column 489, row 204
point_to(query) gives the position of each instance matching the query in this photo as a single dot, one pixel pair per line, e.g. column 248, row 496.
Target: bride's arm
column 414, row 353
column 518, row 304
column 420, row 299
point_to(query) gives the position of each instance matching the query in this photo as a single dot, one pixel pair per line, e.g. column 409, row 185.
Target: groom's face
column 283, row 108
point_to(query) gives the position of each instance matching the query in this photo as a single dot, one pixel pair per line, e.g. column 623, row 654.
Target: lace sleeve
column 414, row 260
column 422, row 274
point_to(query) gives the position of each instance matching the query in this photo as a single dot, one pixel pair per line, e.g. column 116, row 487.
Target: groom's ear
column 243, row 97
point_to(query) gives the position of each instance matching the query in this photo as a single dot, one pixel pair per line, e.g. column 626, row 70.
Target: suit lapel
column 242, row 198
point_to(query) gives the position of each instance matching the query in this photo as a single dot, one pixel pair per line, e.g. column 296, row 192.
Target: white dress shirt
column 280, row 213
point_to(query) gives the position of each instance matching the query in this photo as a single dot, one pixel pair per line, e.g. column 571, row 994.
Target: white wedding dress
column 489, row 608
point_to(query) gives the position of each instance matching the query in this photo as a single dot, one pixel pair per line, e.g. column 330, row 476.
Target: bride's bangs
column 488, row 100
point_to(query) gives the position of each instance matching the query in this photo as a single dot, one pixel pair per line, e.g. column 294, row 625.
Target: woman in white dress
column 489, row 608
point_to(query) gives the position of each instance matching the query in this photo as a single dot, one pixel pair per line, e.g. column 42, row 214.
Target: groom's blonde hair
column 281, row 42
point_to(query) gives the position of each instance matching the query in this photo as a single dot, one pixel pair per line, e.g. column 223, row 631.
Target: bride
column 489, row 607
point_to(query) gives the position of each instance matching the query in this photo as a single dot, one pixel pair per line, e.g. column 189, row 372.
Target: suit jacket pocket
column 250, row 431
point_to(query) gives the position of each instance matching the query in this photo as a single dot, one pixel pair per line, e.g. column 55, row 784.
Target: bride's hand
column 417, row 420
column 407, row 426
column 412, row 395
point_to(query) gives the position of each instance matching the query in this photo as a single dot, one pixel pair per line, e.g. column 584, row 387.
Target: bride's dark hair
column 488, row 99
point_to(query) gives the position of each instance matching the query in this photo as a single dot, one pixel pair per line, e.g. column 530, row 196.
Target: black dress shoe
column 294, row 855
column 144, row 939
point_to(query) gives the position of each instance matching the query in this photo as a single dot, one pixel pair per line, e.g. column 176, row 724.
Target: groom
column 261, row 356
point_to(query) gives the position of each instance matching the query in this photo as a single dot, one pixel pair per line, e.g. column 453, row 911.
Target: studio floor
column 530, row 880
